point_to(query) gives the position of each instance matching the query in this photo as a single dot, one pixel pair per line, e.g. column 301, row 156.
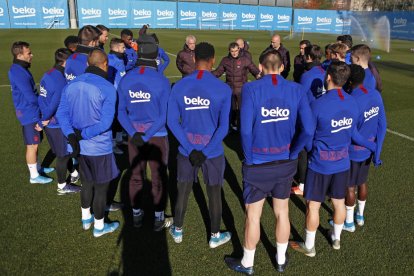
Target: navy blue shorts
column 213, row 170
column 98, row 169
column 319, row 185
column 30, row 135
column 272, row 179
column 359, row 172
column 57, row 141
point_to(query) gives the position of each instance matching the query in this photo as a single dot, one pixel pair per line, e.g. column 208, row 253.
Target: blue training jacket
column 88, row 104
column 51, row 86
column 198, row 113
column 371, row 124
column 312, row 82
column 369, row 80
column 271, row 108
column 162, row 60
column 336, row 115
column 116, row 69
column 24, row 94
column 75, row 65
column 131, row 57
column 143, row 97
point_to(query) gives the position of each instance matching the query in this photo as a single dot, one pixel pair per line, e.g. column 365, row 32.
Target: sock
column 38, row 166
column 215, row 235
column 301, row 186
column 159, row 216
column 137, row 212
column 61, row 185
column 99, row 224
column 361, row 207
column 86, row 213
column 118, row 137
column 310, row 239
column 337, row 229
column 281, row 252
column 248, row 257
column 349, row 214
column 33, row 170
column 74, row 173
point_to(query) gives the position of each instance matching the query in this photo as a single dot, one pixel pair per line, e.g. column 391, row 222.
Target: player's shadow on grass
column 144, row 251
column 233, row 141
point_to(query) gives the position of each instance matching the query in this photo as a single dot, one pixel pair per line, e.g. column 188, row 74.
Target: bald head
column 240, row 42
column 99, row 59
column 276, row 41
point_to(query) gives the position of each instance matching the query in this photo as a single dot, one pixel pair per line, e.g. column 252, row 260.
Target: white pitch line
column 400, row 134
column 171, row 54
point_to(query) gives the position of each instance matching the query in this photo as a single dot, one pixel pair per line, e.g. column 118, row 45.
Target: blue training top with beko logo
column 336, row 115
column 143, row 97
column 88, row 104
column 271, row 108
column 371, row 124
column 312, row 82
column 131, row 57
column 116, row 69
column 369, row 80
column 75, row 65
column 24, row 94
column 51, row 87
column 198, row 113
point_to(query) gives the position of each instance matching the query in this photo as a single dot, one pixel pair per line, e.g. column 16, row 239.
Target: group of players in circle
column 323, row 129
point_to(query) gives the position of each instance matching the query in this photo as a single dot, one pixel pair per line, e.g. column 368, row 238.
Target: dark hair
column 233, row 45
column 305, row 41
column 339, row 48
column 271, row 59
column 87, row 34
column 362, row 51
column 61, row 55
column 71, row 40
column 127, row 32
column 102, row 28
column 17, row 47
column 345, row 39
column 204, row 51
column 339, row 72
column 115, row 41
column 328, row 47
column 357, row 75
column 155, row 38
column 314, row 52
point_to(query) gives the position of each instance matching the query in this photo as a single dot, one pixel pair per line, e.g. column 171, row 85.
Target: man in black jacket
column 276, row 44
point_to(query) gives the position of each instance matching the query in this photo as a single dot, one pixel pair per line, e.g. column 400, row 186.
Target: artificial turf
column 41, row 233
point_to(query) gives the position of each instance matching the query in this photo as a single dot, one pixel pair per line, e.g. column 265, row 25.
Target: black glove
column 74, row 143
column 197, row 158
column 137, row 139
column 78, row 134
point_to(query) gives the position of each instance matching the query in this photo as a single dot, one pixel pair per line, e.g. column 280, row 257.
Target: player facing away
column 271, row 109
column 24, row 94
column 360, row 55
column 51, row 87
column 372, row 125
column 88, row 37
column 198, row 116
column 142, row 111
column 336, row 114
column 85, row 113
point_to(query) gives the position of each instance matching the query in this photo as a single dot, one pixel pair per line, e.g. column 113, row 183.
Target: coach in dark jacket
column 236, row 66
column 185, row 58
column 276, row 44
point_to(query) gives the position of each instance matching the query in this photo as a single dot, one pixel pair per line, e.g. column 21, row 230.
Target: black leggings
column 97, row 192
column 302, row 166
column 214, row 204
column 63, row 164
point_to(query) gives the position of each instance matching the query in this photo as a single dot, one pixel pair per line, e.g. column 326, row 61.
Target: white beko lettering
column 344, row 123
column 374, row 111
column 140, row 96
column 276, row 114
column 198, row 103
column 23, row 12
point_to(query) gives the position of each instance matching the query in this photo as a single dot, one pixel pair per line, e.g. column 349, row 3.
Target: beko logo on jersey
column 91, row 13
column 54, row 11
column 304, row 20
column 70, row 77
column 199, row 103
column 371, row 113
column 43, row 91
column 141, row 96
column 122, row 73
column 344, row 123
column 23, row 12
column 280, row 114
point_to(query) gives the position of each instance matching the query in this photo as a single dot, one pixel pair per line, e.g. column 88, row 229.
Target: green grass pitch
column 41, row 233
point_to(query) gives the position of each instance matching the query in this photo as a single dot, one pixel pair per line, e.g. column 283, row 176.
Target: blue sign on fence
column 188, row 14
column 165, row 15
column 273, row 18
column 91, row 13
column 23, row 14
column 142, row 13
column 209, row 16
column 54, row 14
column 117, row 14
column 4, row 15
column 322, row 21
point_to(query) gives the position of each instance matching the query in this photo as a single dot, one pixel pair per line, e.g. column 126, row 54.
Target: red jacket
column 185, row 61
column 236, row 70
